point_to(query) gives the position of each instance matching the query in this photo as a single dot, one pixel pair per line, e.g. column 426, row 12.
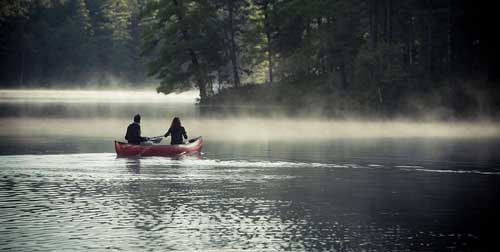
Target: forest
column 70, row 43
column 337, row 57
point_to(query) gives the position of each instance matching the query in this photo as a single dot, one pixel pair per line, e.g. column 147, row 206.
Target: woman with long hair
column 176, row 131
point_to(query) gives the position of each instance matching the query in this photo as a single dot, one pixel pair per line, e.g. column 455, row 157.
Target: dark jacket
column 177, row 134
column 133, row 134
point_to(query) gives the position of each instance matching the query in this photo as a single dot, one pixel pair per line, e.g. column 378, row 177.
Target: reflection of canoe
column 130, row 150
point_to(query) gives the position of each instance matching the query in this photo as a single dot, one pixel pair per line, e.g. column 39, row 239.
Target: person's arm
column 127, row 135
column 167, row 134
column 184, row 133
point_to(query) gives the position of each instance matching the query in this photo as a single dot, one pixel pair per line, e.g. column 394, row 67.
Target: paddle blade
column 156, row 140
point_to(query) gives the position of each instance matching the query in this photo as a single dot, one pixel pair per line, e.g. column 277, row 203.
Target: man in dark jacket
column 133, row 135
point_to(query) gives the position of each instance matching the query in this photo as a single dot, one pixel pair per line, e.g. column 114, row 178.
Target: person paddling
column 133, row 134
column 176, row 131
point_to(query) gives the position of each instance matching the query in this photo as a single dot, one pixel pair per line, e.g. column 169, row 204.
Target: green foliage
column 71, row 41
column 335, row 54
column 182, row 36
column 196, row 43
column 12, row 8
column 117, row 15
column 372, row 56
column 385, row 63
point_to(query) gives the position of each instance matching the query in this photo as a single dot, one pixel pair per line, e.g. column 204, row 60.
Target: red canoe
column 131, row 150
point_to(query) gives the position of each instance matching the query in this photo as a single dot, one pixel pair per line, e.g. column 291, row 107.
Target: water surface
column 65, row 190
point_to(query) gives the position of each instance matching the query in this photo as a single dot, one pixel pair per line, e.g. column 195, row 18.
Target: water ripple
column 97, row 202
column 104, row 165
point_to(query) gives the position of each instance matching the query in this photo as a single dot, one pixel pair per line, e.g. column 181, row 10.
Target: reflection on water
column 133, row 165
column 96, row 201
column 260, row 184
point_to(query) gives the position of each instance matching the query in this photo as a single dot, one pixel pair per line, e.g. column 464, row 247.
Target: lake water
column 260, row 184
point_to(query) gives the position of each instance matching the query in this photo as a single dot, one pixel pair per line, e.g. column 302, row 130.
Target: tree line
column 70, row 42
column 373, row 55
column 380, row 56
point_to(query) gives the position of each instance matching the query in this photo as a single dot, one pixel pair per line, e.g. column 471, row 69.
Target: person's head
column 176, row 123
column 137, row 118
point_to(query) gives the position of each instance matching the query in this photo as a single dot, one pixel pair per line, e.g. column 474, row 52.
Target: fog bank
column 93, row 96
column 106, row 114
column 249, row 129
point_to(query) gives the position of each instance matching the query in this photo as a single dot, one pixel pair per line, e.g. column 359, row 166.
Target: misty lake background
column 262, row 183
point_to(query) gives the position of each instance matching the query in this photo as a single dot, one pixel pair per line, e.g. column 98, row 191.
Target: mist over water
column 93, row 96
column 104, row 113
column 262, row 183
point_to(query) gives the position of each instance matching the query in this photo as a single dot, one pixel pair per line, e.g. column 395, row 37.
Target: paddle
column 156, row 139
